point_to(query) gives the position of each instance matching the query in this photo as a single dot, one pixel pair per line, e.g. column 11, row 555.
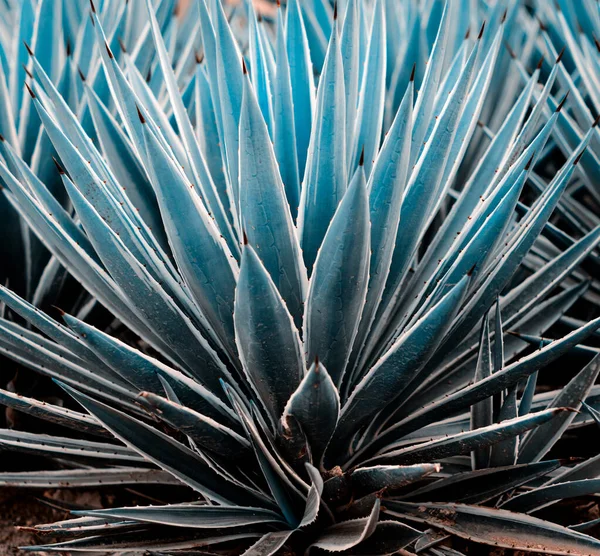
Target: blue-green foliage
column 332, row 240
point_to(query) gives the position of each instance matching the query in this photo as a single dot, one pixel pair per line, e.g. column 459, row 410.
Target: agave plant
column 330, row 283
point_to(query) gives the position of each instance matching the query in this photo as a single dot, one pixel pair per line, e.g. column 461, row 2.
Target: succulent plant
column 332, row 234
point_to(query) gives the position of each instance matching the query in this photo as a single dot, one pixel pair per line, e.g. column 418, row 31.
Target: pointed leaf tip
column 29, row 51
column 481, row 31
column 122, row 45
column 596, row 121
column 29, row 89
column 81, row 74
column 361, row 162
column 576, row 161
column 335, row 10
column 560, row 55
column 92, row 6
column 108, row 50
column 60, row 169
column 199, row 56
column 244, row 68
column 68, row 48
column 562, row 102
column 244, row 238
column 530, row 161
column 412, row 73
column 140, row 115
column 58, row 309
column 540, row 63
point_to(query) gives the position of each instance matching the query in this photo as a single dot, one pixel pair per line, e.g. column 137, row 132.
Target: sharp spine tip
column 244, row 68
column 29, row 89
column 562, row 102
column 244, row 238
column 560, row 55
column 92, row 6
column 60, row 169
column 335, row 10
column 412, row 73
column 576, row 161
column 540, row 63
column 140, row 115
column 596, row 121
column 481, row 31
column 472, row 270
column 122, row 45
column 199, row 56
column 108, row 50
column 81, row 74
column 60, row 311
column 361, row 161
column 530, row 162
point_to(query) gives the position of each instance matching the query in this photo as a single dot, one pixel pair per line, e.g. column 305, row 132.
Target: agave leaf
column 46, row 444
column 284, row 125
column 188, row 466
column 419, row 197
column 205, row 262
column 476, row 186
column 230, row 82
column 265, row 214
column 543, row 496
column 350, row 49
column 196, row 159
column 464, row 442
column 193, row 516
column 485, row 388
column 52, row 413
column 338, row 286
column 315, row 405
column 347, row 534
column 539, row 442
column 366, row 480
column 145, row 372
column 261, row 75
column 301, row 78
column 386, row 187
column 270, row 543
column 288, row 497
column 389, row 537
column 369, row 120
column 518, row 245
column 77, row 478
column 431, row 81
column 152, row 301
column 49, row 326
column 497, row 527
column 35, row 352
column 325, row 179
column 313, row 499
column 204, row 431
column 477, row 487
column 482, row 412
column 143, row 538
column 401, row 364
column 124, row 163
column 271, row 355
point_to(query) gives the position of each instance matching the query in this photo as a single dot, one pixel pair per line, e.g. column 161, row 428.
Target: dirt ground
column 22, row 509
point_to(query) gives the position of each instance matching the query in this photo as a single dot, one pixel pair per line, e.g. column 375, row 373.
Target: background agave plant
column 326, row 284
